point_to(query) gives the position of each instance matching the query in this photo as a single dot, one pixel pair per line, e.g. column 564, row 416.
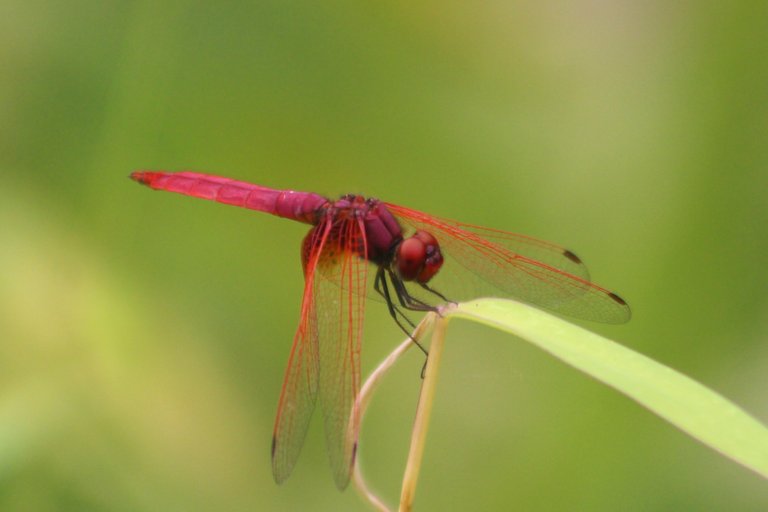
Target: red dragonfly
column 407, row 249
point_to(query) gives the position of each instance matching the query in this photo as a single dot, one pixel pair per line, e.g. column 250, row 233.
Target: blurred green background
column 143, row 336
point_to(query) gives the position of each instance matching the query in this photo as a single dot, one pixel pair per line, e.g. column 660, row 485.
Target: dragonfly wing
column 534, row 271
column 300, row 385
column 527, row 246
column 340, row 287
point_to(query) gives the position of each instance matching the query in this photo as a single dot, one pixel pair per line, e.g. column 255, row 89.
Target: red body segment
column 301, row 206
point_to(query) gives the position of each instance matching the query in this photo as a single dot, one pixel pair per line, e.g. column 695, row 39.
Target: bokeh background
column 143, row 336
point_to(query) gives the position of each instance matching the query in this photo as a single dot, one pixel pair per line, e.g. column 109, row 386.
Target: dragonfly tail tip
column 142, row 177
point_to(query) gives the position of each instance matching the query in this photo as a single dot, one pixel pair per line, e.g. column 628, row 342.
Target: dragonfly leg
column 407, row 300
column 435, row 292
column 380, row 285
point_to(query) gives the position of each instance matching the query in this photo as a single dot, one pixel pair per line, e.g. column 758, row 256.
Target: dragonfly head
column 418, row 258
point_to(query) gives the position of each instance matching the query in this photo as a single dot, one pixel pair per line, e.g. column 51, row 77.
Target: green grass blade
column 690, row 406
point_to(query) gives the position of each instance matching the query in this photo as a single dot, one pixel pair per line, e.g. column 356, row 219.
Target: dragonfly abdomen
column 301, row 206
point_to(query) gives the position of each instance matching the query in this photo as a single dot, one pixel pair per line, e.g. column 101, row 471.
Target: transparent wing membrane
column 299, row 393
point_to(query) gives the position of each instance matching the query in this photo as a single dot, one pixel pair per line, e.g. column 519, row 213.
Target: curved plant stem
column 423, row 413
column 364, row 398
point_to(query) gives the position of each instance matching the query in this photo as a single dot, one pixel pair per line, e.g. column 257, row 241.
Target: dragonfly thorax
column 416, row 258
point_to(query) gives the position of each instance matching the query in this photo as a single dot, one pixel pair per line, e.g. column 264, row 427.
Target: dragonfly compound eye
column 410, row 258
column 434, row 257
column 419, row 258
